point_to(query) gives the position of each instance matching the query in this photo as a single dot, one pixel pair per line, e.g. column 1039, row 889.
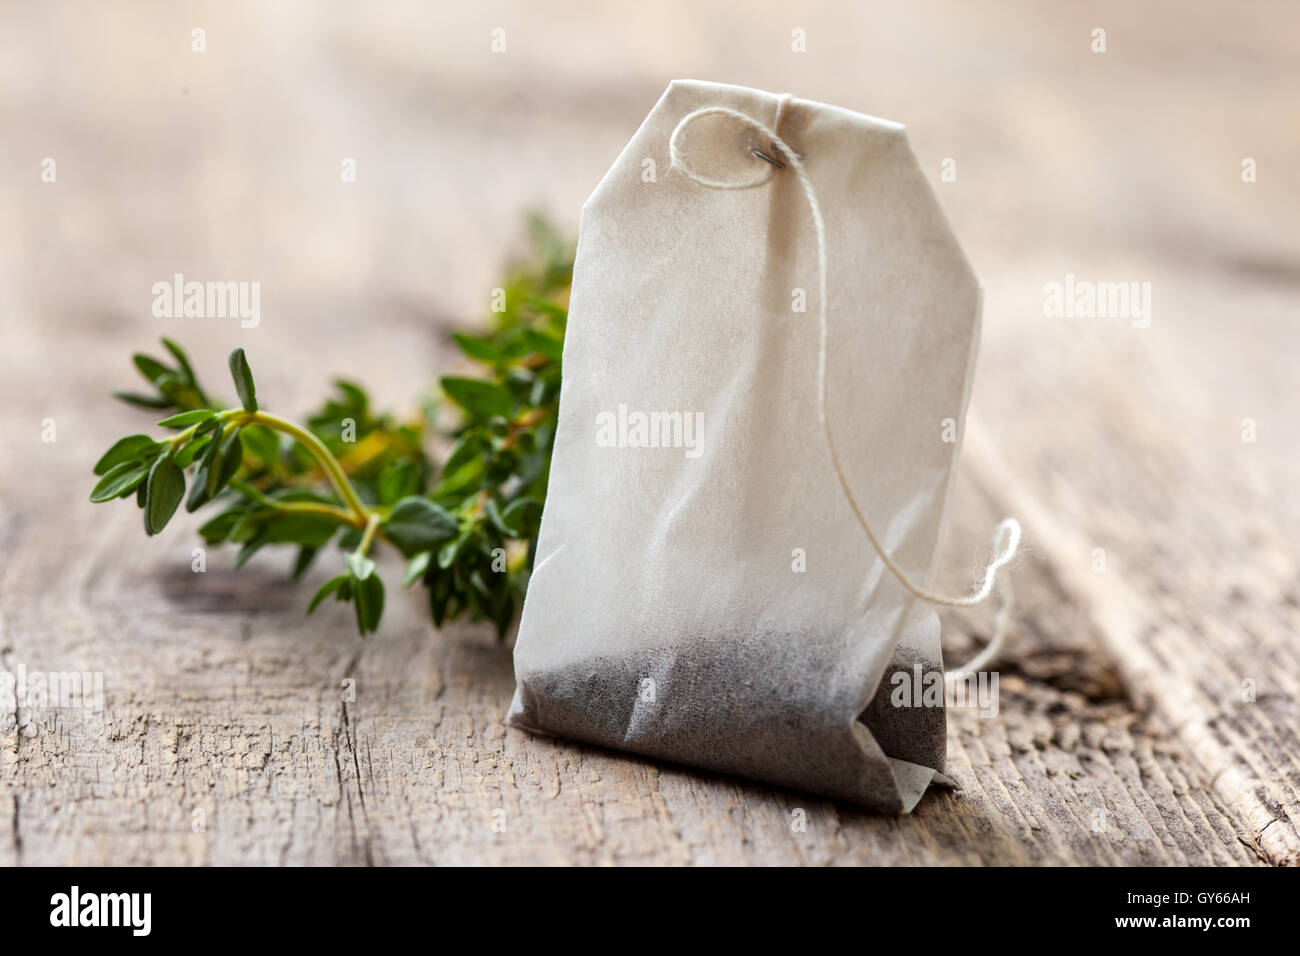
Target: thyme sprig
column 361, row 480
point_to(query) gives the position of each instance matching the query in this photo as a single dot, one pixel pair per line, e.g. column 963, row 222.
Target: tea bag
column 703, row 591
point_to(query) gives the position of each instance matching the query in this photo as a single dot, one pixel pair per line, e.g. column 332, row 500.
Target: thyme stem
column 337, row 477
column 372, row 526
column 298, row 507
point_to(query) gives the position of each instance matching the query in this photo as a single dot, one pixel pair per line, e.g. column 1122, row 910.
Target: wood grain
column 223, row 699
column 1122, row 735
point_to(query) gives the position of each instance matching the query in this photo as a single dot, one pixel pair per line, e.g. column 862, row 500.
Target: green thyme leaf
column 250, row 548
column 182, row 360
column 522, row 518
column 360, row 566
column 309, row 530
column 221, row 527
column 228, row 458
column 185, row 419
column 124, row 450
column 163, row 493
column 467, row 447
column 262, row 443
column 153, row 371
column 306, row 555
column 143, row 401
column 368, row 600
column 331, row 586
column 191, row 450
column 399, row 479
column 243, row 377
column 550, row 346
column 120, row 480
column 416, row 567
column 479, row 348
column 481, row 399
column 199, row 495
column 418, row 524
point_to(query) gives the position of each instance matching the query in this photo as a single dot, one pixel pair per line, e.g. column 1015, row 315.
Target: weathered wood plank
column 221, row 698
column 1121, row 736
column 1197, row 602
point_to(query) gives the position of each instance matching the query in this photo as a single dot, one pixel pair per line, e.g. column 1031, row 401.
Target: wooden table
column 1126, row 733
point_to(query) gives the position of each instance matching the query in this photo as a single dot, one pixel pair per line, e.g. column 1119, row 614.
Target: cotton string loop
column 1006, row 538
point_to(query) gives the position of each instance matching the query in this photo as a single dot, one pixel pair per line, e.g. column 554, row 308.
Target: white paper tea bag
column 703, row 591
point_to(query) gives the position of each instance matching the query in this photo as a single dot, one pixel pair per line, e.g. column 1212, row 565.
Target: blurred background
column 1106, row 140
column 227, row 163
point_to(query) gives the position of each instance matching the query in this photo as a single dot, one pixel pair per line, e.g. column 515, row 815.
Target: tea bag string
column 1006, row 538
